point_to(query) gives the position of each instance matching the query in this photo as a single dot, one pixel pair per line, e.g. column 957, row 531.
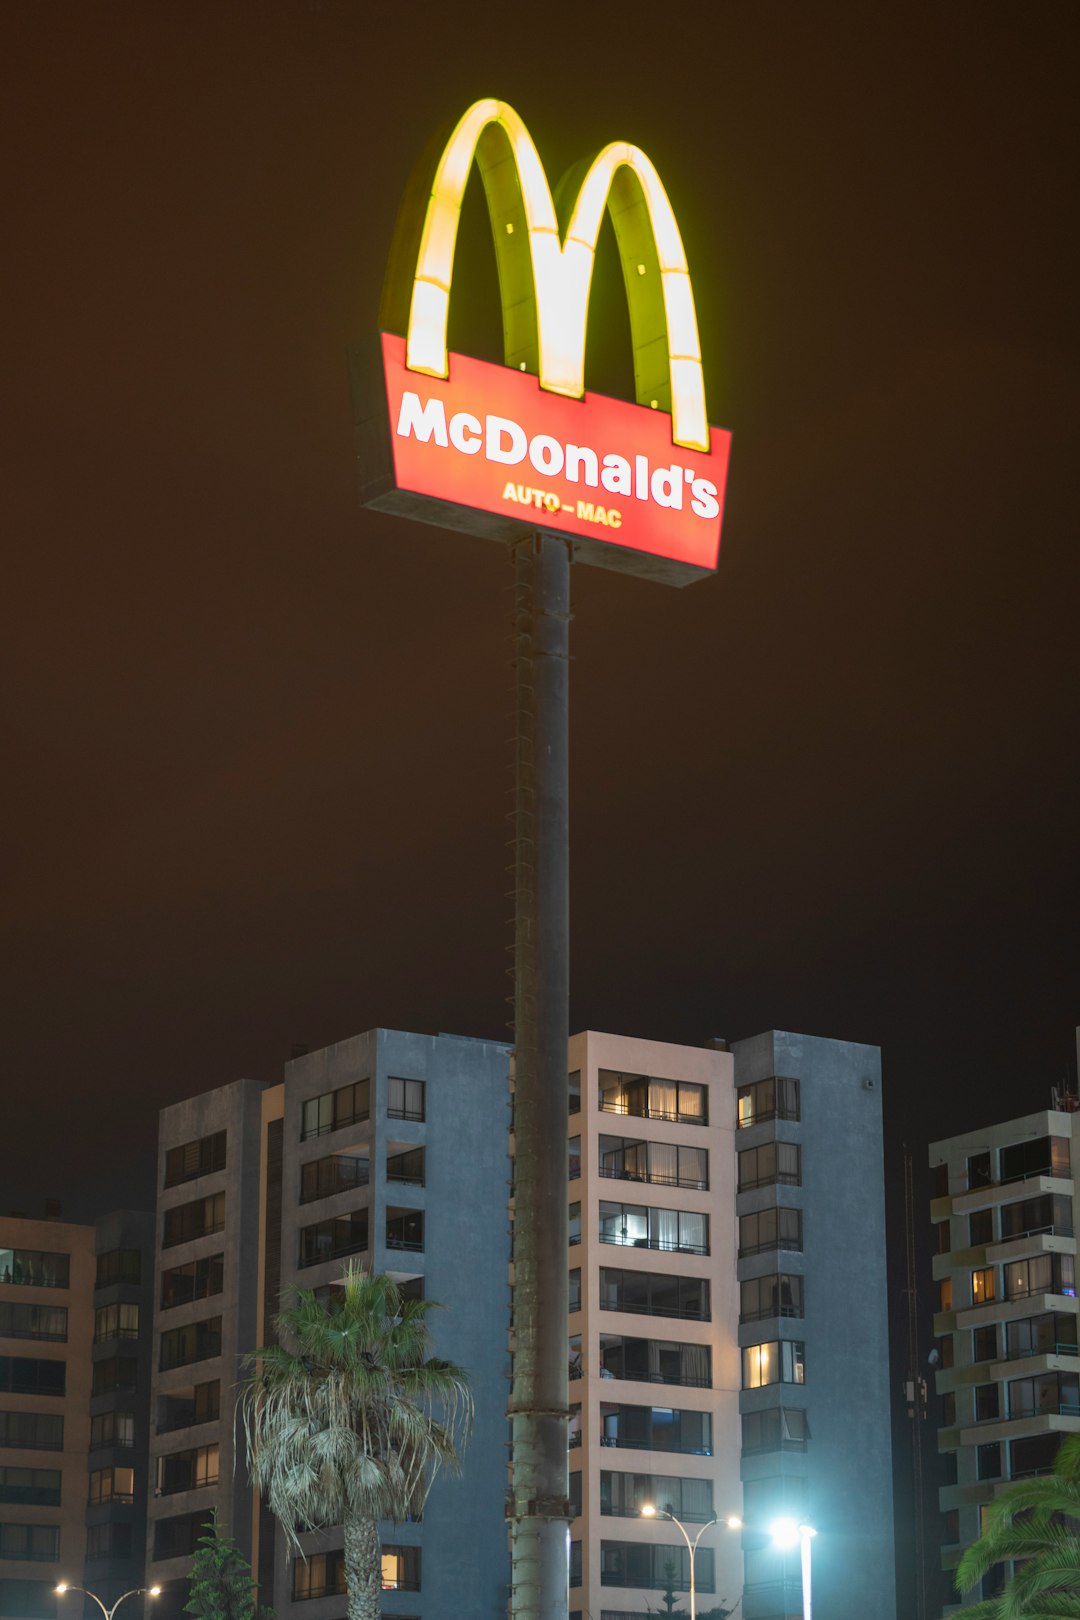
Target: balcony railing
column 674, row 1116
column 411, row 1245
column 655, row 1178
column 663, row 1245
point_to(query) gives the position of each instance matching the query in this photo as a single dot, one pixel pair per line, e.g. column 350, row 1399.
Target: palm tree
column 1035, row 1522
column 347, row 1420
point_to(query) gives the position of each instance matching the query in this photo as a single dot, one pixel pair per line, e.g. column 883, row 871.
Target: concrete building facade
column 813, row 1323
column 1009, row 1362
column 654, row 1361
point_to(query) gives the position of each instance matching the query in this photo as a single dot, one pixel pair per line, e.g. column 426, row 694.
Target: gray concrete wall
column 847, row 1466
column 464, row 1263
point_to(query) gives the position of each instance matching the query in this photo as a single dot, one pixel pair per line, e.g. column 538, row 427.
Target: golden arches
column 544, row 277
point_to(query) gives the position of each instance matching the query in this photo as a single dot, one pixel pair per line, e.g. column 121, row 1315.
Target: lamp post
column 788, row 1533
column 649, row 1510
column 69, row 1586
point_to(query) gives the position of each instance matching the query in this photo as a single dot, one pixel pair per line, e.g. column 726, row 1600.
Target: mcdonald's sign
column 458, row 442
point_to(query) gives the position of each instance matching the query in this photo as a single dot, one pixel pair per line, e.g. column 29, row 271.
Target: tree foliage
column 348, row 1420
column 221, row 1584
column 1034, row 1523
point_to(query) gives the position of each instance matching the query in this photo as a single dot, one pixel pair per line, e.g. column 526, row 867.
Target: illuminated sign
column 469, row 445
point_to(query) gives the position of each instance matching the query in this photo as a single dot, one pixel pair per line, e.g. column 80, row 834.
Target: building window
column 193, row 1159
column 770, row 1165
column 575, row 1290
column 650, row 1566
column 30, row 1487
column 1050, row 1393
column 575, row 1092
column 656, row 1428
column 337, row 1173
column 116, row 1372
column 177, row 1537
column 1042, row 1274
column 112, row 1485
column 574, row 1218
column 984, row 1343
column 980, row 1171
column 333, row 1239
column 573, row 1169
column 407, row 1169
column 778, row 1294
column 943, row 1234
column 988, row 1460
column 322, row 1575
column 32, row 1431
column 1051, row 1213
column 23, row 1375
column 948, row 1410
column 118, row 1266
column 184, row 1408
column 348, row 1105
column 404, row 1100
column 945, row 1294
column 980, row 1227
column 778, row 1428
column 112, row 1429
column 33, row 1543
column 575, row 1563
column 645, row 1097
column 405, row 1229
column 664, row 1164
column 34, row 1322
column 767, row 1099
column 1052, row 1334
column 1046, row 1156
column 987, row 1402
column 622, row 1496
column 187, row 1470
column 649, row 1293
column 636, row 1226
column 575, row 1495
column 1033, row 1455
column 400, row 1568
column 34, row 1268
column 119, row 1321
column 195, row 1341
column 198, row 1279
column 108, row 1540
column 778, row 1495
column 982, row 1286
column 778, row 1361
column 656, row 1361
column 195, row 1220
column 775, row 1228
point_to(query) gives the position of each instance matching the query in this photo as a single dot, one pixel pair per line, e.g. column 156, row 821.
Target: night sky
column 257, row 740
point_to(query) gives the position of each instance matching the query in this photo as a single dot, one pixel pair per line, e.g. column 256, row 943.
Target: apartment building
column 813, row 1324
column 390, row 1148
column 654, row 1359
column 1009, row 1362
column 727, row 1236
column 75, row 1320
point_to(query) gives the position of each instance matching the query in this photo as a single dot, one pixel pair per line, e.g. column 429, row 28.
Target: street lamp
column 69, row 1586
column 649, row 1510
column 788, row 1533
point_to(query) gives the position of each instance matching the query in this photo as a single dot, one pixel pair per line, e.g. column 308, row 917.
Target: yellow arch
column 545, row 277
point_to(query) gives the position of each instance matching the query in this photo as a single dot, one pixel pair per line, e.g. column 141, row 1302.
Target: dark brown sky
column 255, row 739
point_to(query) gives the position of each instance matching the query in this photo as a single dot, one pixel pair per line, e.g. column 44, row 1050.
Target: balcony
column 405, row 1230
column 322, row 1178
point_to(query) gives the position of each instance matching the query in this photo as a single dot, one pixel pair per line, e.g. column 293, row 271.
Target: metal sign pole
column 538, row 1509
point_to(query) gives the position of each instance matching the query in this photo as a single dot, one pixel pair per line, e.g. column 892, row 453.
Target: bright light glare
column 647, row 1510
column 61, row 1587
column 155, row 1591
column 785, row 1532
column 733, row 1522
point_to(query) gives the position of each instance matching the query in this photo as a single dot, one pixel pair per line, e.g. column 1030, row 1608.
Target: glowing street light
column 69, row 1586
column 788, row 1533
column 649, row 1510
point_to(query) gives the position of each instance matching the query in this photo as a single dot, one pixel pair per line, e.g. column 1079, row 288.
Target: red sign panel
column 489, row 439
